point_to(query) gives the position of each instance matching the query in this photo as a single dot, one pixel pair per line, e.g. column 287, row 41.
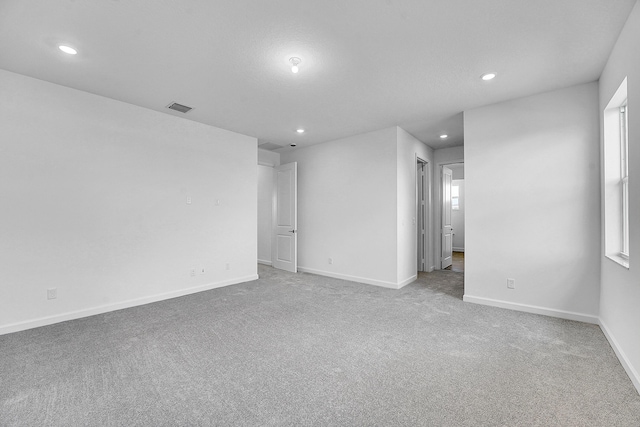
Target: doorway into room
column 452, row 217
column 422, row 209
column 457, row 263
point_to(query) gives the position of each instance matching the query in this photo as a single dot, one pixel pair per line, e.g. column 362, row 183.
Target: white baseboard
column 569, row 315
column 407, row 281
column 50, row 320
column 364, row 280
column 458, row 249
column 624, row 360
column 265, row 262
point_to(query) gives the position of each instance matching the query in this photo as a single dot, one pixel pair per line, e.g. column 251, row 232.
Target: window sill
column 619, row 259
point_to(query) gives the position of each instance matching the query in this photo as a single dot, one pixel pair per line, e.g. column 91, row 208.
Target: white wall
column 266, row 162
column 457, row 170
column 457, row 218
column 532, row 203
column 620, row 287
column 268, row 158
column 447, row 156
column 357, row 205
column 347, row 207
column 94, row 204
column 265, row 198
column 443, row 156
column 409, row 148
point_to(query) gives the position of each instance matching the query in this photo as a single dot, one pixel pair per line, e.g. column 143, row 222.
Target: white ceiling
column 366, row 64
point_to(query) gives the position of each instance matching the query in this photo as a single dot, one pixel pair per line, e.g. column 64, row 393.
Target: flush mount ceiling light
column 295, row 61
column 67, row 49
column 300, row 130
column 444, row 136
column 488, row 76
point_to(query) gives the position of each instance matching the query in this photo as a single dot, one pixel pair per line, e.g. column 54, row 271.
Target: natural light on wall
column 616, row 177
column 455, row 197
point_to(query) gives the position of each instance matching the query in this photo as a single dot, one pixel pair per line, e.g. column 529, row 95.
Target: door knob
column 292, row 231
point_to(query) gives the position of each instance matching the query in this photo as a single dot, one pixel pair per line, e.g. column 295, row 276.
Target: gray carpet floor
column 300, row 349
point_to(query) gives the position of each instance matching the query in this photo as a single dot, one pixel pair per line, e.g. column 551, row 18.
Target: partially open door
column 447, row 229
column 284, row 247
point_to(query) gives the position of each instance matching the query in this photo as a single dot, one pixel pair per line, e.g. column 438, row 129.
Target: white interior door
column 447, row 229
column 284, row 245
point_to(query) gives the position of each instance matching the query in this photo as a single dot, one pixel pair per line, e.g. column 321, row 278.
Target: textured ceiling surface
column 366, row 64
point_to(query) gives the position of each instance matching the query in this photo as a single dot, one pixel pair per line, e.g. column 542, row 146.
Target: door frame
column 290, row 230
column 426, row 217
column 446, row 231
column 437, row 238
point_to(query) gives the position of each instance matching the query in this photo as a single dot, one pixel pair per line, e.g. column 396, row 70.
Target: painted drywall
column 267, row 160
column 457, row 217
column 409, row 148
column 532, row 203
column 265, row 198
column 94, row 203
column 443, row 156
column 457, row 171
column 347, row 207
column 448, row 156
column 357, row 206
column 620, row 287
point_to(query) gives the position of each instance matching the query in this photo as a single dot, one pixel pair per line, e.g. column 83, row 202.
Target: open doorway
column 452, row 218
column 422, row 220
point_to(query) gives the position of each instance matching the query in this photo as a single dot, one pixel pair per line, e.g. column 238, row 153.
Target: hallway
column 458, row 262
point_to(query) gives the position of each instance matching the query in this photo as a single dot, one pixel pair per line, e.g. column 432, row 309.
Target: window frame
column 624, row 177
column 615, row 177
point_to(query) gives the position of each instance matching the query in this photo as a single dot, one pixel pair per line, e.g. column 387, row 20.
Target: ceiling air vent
column 179, row 107
column 269, row 146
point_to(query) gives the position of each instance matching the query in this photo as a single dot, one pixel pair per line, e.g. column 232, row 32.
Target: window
column 616, row 177
column 455, row 197
column 624, row 180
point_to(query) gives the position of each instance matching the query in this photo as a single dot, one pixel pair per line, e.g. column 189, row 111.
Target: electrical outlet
column 188, row 200
column 511, row 283
column 52, row 293
column 330, row 260
column 228, row 266
column 192, row 272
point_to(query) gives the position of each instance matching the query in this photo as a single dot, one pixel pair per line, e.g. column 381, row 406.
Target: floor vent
column 179, row 107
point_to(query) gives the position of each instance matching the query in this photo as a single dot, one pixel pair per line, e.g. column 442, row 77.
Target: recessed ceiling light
column 488, row 76
column 67, row 49
column 300, row 131
column 444, row 136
